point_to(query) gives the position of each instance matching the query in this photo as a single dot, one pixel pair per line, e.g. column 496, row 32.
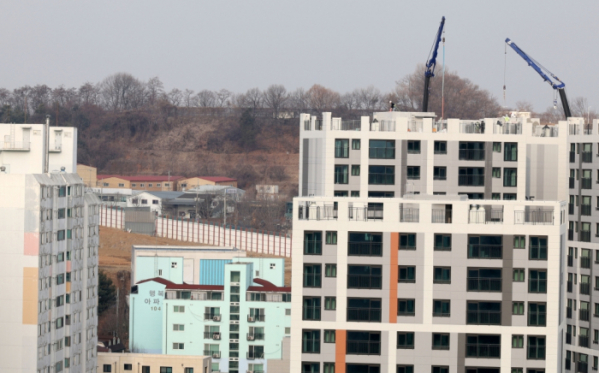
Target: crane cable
column 504, row 74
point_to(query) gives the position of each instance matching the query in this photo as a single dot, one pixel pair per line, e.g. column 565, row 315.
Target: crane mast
column 547, row 76
column 431, row 63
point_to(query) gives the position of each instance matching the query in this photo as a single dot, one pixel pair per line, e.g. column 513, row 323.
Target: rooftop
column 142, row 177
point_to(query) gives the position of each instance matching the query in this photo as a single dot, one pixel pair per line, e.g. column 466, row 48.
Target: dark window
column 517, row 341
column 444, row 369
column 486, row 346
column 364, row 309
column 511, row 151
column 355, row 193
column 363, row 343
column 509, row 196
column 440, row 147
column 413, row 173
column 482, row 370
column 405, row 340
column 485, row 247
column 517, row 308
column 381, row 175
column 519, row 275
column 166, row 370
column 107, row 368
column 510, row 177
column 536, row 348
column 443, row 242
column 331, row 238
column 341, row 174
column 537, row 314
column 413, row 146
column 471, row 176
column 407, row 241
column 365, row 244
column 340, row 193
column 440, row 173
column 311, row 308
column 128, row 367
column 364, row 277
column 330, row 270
column 329, row 336
column 538, row 248
column 472, row 151
column 441, row 308
column 341, row 148
column 355, row 170
column 381, row 149
column 442, row 275
column 537, row 281
column 362, row 368
column 312, row 275
column 312, row 243
column 497, row 147
column 496, row 172
column 355, row 144
column 519, row 242
column 381, row 194
column 407, row 274
column 440, row 341
column 310, row 367
column 311, row 341
column 484, row 279
column 405, row 369
column 406, row 307
column 484, row 313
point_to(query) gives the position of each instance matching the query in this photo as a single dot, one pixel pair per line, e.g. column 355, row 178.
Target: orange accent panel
column 340, row 350
column 68, row 287
column 30, row 278
column 31, row 243
column 393, row 275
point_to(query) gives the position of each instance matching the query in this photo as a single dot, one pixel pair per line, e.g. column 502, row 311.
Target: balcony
column 382, row 126
column 483, row 350
column 212, row 335
column 585, row 262
column 317, row 212
column 584, row 236
column 213, row 354
column 507, row 128
column 364, row 314
column 363, row 348
column 441, row 216
column 572, row 157
column 381, row 153
column 346, row 125
column 585, row 210
column 409, row 215
column 583, row 315
column 471, row 155
column 534, row 217
column 570, row 261
column 587, row 157
column 570, row 235
column 485, row 215
column 484, row 284
column 570, row 209
column 585, row 288
column 415, row 125
column 471, row 180
column 255, row 336
column 571, row 182
column 472, row 127
column 583, row 341
column 15, row 146
column 365, row 249
column 252, row 355
column 586, row 182
column 254, row 318
column 480, row 251
column 569, row 338
column 212, row 316
column 366, row 213
column 582, row 367
column 570, row 288
column 484, row 318
column 381, row 179
column 364, row 281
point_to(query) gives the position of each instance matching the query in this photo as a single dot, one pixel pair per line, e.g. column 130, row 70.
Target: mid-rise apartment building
column 49, row 259
column 211, row 302
column 443, row 246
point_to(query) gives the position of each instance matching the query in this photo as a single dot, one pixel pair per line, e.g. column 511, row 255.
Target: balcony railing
column 312, row 212
column 441, row 216
column 212, row 335
column 471, row 180
column 365, row 213
column 346, row 125
column 484, row 317
column 485, row 216
column 365, row 249
column 409, row 215
column 364, row 281
column 583, row 315
column 586, row 182
column 484, row 284
column 383, row 126
column 415, row 125
column 364, row 314
column 212, row 316
column 213, row 354
column 363, row 348
column 508, row 129
column 585, row 236
column 587, row 157
column 254, row 318
column 311, row 312
column 15, row 146
column 471, row 154
column 478, row 251
column 585, row 288
column 341, row 152
column 483, row 350
column 585, row 262
column 535, row 217
column 255, row 355
column 472, row 127
column 255, row 336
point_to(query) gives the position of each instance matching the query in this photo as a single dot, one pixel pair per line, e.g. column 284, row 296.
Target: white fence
column 204, row 232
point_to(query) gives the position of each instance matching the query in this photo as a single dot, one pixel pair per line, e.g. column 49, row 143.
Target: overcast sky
column 343, row 45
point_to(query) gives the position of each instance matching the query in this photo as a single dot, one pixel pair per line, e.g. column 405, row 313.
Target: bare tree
column 299, row 100
column 89, row 94
column 350, row 100
column 205, row 98
column 188, row 97
column 222, row 97
column 275, row 98
column 254, row 98
column 524, row 106
column 369, row 98
column 154, row 89
column 122, row 91
column 175, row 97
column 322, row 98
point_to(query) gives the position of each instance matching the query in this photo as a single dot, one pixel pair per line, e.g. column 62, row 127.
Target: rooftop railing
column 472, row 127
column 535, row 217
column 545, row 131
column 346, row 125
column 507, row 128
column 383, row 126
column 15, row 145
column 415, row 125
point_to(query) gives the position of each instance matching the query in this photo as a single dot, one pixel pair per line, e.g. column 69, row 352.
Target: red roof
column 172, row 286
column 142, row 177
column 216, row 179
column 268, row 286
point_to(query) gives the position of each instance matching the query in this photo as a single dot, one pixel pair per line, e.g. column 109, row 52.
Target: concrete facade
column 143, row 363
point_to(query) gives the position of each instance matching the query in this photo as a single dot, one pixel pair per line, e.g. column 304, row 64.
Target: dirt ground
column 115, row 250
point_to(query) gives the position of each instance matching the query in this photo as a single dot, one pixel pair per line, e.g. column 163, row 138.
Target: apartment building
column 211, row 302
column 143, row 182
column 197, row 181
column 416, row 233
column 49, row 260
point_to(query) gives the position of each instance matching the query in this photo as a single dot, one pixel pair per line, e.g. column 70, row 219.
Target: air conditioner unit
column 216, row 356
column 250, row 337
column 216, row 336
column 216, row 318
column 251, row 319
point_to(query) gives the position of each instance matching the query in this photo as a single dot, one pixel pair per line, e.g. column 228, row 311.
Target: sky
column 340, row 44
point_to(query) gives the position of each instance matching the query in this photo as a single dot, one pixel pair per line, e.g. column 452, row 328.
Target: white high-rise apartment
column 49, row 253
column 445, row 247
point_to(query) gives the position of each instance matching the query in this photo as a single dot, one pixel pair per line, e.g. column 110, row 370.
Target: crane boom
column 431, row 63
column 547, row 76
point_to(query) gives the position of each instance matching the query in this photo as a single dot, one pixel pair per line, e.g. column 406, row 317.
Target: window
column 511, row 152
column 509, row 196
column 484, row 279
column 442, row 242
column 381, row 175
column 520, row 370
column 405, row 369
column 150, row 185
column 441, row 308
column 413, row 146
column 365, row 244
column 496, row 196
column 536, row 348
column 329, row 367
column 179, row 309
column 442, row 275
column 537, row 281
column 472, row 151
column 518, row 308
column 355, row 170
column 142, row 185
column 483, row 313
column 60, row 235
column 519, row 242
column 471, row 176
column 133, row 185
column 497, row 147
column 413, row 172
column 363, row 343
column 178, row 346
column 330, row 303
column 407, row 274
column 165, row 369
column 312, row 275
column 439, row 173
column 130, row 367
column 443, row 369
column 312, row 243
column 518, row 274
column 310, row 367
column 407, row 241
column 485, row 247
column 355, row 193
column 406, row 307
column 341, row 176
column 510, row 177
column 154, row 201
column 440, row 147
column 158, row 185
column 405, row 340
column 363, row 368
column 364, row 277
column 329, row 336
column 341, row 148
column 178, row 327
column 440, row 341
column 355, row 144
column 330, row 270
column 144, row 201
column 537, row 314
column 485, row 346
column 340, row 193
column 496, row 172
column 107, row 368
column 381, row 149
column 288, row 329
column 517, row 341
column 311, row 308
column 62, row 191
column 311, row 341
column 538, row 248
column 364, row 309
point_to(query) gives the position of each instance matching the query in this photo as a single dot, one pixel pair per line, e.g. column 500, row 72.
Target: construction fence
column 202, row 232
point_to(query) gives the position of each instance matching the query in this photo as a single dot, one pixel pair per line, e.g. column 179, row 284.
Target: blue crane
column 547, row 76
column 431, row 63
